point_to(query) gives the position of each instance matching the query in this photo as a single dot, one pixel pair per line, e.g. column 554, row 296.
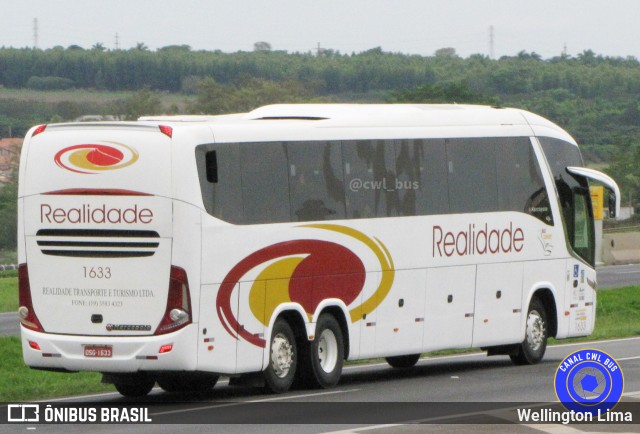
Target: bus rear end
column 97, row 288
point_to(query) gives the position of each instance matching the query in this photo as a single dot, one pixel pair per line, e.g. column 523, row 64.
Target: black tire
column 187, row 382
column 408, row 361
column 532, row 349
column 134, row 385
column 283, row 358
column 325, row 354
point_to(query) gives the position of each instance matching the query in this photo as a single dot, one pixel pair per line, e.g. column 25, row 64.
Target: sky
column 547, row 27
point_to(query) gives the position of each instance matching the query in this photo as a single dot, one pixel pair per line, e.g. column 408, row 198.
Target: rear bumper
column 130, row 353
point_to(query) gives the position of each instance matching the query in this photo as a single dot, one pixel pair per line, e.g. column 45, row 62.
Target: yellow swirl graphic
column 386, row 267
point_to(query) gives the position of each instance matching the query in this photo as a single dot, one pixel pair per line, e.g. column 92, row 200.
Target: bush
column 49, row 83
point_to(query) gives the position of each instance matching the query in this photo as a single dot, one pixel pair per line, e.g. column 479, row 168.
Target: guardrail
column 5, row 267
column 621, row 229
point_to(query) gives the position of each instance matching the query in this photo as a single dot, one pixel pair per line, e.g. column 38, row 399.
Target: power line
column 491, row 43
column 35, row 33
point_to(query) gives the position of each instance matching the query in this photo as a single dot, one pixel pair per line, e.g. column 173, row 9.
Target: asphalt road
column 615, row 276
column 378, row 399
column 9, row 325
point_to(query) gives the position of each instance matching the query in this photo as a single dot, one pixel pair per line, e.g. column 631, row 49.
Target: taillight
column 26, row 313
column 178, row 311
column 166, row 130
column 39, row 129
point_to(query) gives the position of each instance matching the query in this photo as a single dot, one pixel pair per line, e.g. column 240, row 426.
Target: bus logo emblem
column 96, row 158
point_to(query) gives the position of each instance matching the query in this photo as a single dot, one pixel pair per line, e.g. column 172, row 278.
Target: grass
column 618, row 315
column 9, row 291
column 19, row 383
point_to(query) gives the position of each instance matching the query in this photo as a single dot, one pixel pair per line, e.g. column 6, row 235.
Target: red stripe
column 96, row 192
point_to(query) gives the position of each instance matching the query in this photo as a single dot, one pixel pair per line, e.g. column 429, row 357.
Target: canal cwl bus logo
column 589, row 381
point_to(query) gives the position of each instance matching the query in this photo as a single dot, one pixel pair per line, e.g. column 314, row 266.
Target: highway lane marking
column 621, row 359
column 253, row 401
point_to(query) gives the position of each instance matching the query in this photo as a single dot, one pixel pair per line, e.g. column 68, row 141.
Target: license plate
column 98, row 351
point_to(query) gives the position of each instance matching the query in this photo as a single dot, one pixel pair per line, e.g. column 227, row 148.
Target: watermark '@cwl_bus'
column 286, row 240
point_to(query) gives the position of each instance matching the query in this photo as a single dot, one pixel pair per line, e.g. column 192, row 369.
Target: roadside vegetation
column 618, row 316
column 595, row 98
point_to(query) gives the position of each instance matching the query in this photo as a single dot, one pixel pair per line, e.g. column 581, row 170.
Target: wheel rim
column 281, row 355
column 535, row 330
column 327, row 350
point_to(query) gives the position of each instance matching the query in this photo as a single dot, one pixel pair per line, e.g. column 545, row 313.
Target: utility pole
column 117, row 41
column 35, row 33
column 491, row 43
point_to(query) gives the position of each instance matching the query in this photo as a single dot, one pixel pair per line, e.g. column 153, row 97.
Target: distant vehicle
column 288, row 239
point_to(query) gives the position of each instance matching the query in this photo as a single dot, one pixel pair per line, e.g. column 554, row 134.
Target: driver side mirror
column 612, row 203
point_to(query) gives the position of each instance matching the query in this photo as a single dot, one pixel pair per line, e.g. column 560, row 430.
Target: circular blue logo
column 589, row 381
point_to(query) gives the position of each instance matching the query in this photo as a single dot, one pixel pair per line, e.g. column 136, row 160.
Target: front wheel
column 283, row 358
column 326, row 353
column 532, row 349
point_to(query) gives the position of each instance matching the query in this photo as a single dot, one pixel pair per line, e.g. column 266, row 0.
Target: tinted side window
column 316, row 181
column 472, row 175
column 560, row 154
column 223, row 198
column 421, row 169
column 265, row 182
column 369, row 178
column 520, row 184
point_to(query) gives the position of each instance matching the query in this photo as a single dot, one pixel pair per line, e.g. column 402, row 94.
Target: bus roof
column 446, row 117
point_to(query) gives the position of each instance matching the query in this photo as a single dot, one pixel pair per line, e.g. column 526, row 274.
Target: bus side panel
column 400, row 324
column 449, row 307
column 251, row 316
column 216, row 347
column 580, row 299
column 368, row 322
column 498, row 304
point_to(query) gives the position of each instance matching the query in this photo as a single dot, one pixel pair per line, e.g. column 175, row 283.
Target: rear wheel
column 134, row 385
column 403, row 361
column 187, row 382
column 326, row 353
column 532, row 349
column 283, row 358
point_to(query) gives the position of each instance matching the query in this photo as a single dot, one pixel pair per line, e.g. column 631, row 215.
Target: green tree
column 143, row 102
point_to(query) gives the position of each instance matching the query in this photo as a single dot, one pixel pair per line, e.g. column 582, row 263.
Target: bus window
column 369, row 178
column 560, row 154
column 222, row 198
column 574, row 196
column 520, row 184
column 575, row 200
column 265, row 183
column 315, row 181
column 472, row 175
column 421, row 168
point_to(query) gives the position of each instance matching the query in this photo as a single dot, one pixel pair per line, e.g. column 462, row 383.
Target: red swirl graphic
column 328, row 271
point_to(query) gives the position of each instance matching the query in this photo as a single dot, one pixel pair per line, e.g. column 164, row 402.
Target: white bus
column 289, row 239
